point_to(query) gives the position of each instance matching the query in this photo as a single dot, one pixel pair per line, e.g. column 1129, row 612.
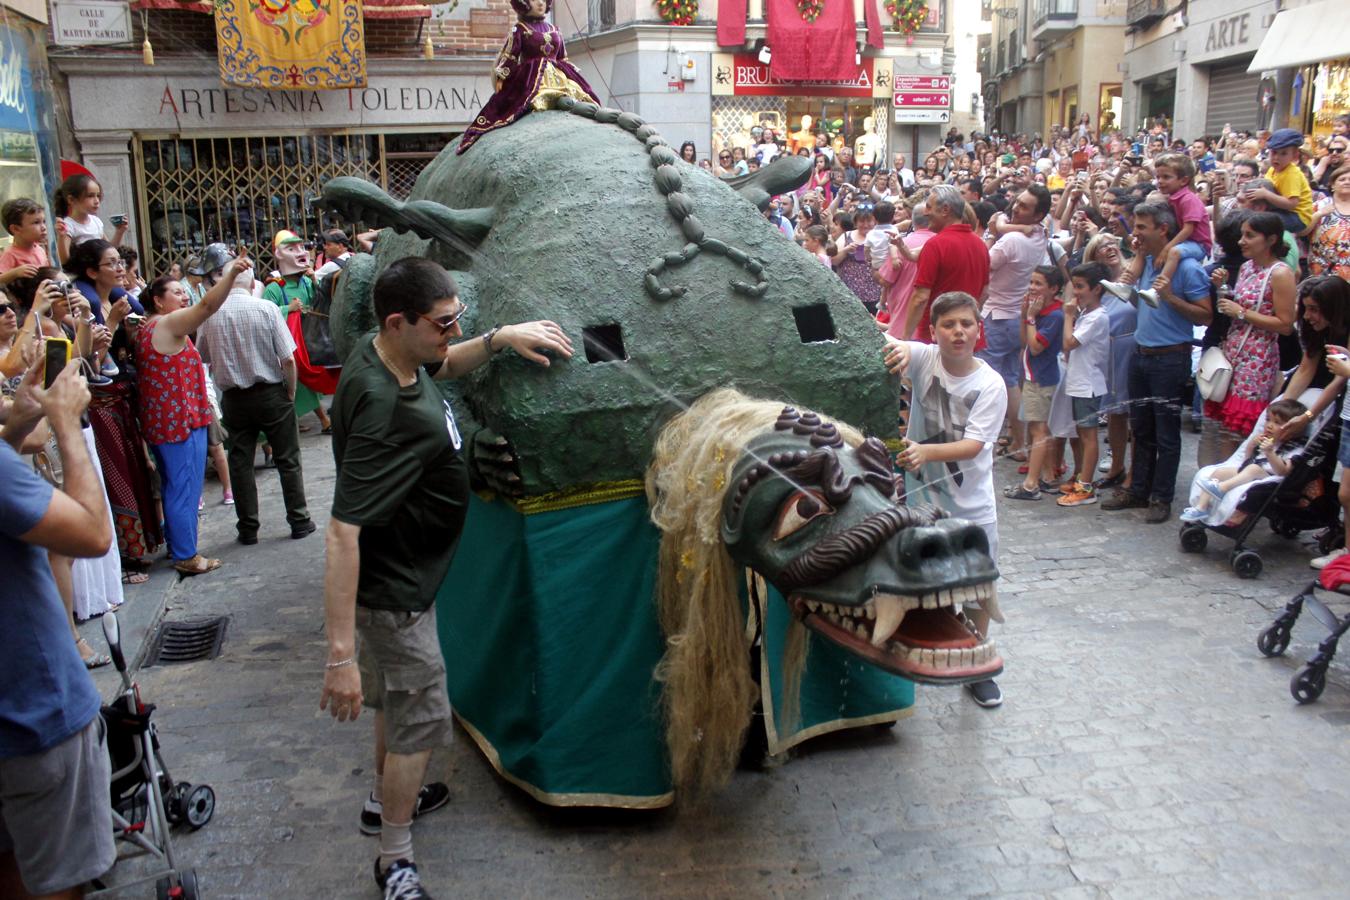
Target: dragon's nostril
column 930, row 547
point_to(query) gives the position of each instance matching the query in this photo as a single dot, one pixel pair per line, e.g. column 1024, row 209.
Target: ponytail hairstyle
column 73, row 188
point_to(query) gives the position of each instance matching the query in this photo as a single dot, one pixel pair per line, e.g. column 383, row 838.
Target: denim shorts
column 1191, row 250
column 1003, row 350
column 1343, row 455
column 1085, row 410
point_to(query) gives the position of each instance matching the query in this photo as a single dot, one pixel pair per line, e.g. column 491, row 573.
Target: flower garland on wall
column 907, row 16
column 810, row 10
column 678, row 12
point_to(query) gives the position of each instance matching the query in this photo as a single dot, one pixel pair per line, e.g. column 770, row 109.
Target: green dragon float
column 656, row 560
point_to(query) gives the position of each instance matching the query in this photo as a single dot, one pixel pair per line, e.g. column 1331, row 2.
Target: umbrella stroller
column 1309, row 682
column 1303, row 500
column 146, row 801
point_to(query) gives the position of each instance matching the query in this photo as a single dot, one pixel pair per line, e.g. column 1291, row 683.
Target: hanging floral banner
column 678, row 12
column 291, row 44
column 810, row 10
column 907, row 16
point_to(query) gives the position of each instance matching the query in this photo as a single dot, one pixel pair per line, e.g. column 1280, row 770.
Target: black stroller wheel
column 189, row 885
column 1247, row 564
column 175, row 802
column 1273, row 641
column 1193, row 538
column 162, row 889
column 1308, row 684
column 199, row 806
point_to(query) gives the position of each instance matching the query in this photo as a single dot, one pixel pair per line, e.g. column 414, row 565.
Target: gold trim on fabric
column 582, row 495
column 552, row 86
column 615, row 801
column 777, row 745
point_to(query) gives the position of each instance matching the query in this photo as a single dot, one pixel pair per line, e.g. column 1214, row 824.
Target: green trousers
column 247, row 413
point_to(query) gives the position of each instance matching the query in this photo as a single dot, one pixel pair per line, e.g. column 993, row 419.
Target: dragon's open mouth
column 920, row 636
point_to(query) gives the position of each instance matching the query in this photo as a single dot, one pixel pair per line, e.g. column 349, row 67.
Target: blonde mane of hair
column 709, row 693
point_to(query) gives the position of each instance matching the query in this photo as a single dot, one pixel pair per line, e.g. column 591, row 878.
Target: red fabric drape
column 317, row 378
column 873, row 18
column 731, row 22
column 818, row 51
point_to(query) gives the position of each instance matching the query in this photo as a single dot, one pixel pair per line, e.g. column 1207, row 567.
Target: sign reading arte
column 183, row 103
column 743, row 75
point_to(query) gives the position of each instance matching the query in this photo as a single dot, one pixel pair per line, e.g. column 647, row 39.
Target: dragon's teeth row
column 935, row 600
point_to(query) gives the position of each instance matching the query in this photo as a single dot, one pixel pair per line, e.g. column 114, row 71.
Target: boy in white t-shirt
column 958, row 406
column 1087, row 340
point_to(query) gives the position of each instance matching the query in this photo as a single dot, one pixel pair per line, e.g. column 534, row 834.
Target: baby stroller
column 1309, row 682
column 145, row 799
column 1303, row 500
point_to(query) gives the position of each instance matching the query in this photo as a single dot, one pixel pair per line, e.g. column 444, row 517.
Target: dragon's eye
column 799, row 508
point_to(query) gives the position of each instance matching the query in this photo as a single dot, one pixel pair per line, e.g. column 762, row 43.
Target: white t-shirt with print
column 948, row 408
column 1088, row 361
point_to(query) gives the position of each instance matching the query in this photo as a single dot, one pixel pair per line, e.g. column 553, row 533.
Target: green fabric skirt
column 549, row 628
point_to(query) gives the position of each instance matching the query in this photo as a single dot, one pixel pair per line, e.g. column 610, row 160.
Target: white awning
column 1303, row 36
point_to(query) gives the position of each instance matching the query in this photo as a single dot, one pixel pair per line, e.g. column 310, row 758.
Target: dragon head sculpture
column 818, row 520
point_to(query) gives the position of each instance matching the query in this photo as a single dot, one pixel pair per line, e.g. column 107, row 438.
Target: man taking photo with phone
column 55, row 821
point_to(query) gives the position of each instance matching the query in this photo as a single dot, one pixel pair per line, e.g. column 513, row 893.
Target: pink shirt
column 901, row 280
column 1012, row 260
column 14, row 257
column 1188, row 207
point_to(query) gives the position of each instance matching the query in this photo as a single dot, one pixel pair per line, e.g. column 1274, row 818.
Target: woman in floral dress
column 1329, row 249
column 851, row 263
column 1263, row 306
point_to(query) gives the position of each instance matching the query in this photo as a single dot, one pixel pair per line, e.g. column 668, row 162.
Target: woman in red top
column 175, row 409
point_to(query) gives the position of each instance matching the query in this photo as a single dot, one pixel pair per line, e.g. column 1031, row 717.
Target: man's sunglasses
column 448, row 322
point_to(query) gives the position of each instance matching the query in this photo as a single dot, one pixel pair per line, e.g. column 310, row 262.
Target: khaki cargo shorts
column 403, row 675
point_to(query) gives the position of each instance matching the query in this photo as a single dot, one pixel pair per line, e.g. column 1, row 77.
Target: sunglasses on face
column 7, row 307
column 448, row 322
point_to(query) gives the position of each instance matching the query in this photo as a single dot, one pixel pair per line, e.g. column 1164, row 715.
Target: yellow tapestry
column 291, row 44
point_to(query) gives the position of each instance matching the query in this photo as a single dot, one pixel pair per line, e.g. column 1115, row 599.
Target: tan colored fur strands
column 708, row 691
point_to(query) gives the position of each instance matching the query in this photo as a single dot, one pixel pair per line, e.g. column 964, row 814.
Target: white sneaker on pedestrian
column 1120, row 289
column 1105, row 464
column 1322, row 562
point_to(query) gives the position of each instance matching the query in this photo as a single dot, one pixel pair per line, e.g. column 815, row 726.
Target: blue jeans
column 1157, row 396
column 1292, row 223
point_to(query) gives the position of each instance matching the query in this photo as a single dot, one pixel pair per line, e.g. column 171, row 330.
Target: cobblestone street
column 1145, row 749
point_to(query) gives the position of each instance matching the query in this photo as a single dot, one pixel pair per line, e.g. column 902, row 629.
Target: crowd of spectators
column 1237, row 241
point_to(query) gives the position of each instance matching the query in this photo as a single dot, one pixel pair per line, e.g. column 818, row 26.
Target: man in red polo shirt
column 955, row 260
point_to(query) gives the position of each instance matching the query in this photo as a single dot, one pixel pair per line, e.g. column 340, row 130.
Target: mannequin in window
column 803, row 137
column 866, row 147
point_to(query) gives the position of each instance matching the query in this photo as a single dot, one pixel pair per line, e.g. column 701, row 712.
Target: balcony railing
column 1053, row 12
column 1141, row 13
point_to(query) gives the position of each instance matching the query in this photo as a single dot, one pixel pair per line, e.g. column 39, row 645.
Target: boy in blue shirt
column 1042, row 331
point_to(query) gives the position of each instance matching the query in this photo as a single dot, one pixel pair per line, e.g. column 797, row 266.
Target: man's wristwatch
column 487, row 340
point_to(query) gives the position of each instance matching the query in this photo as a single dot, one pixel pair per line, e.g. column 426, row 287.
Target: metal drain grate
column 187, row 640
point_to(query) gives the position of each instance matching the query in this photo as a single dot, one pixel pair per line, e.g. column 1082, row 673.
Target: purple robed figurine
column 532, row 72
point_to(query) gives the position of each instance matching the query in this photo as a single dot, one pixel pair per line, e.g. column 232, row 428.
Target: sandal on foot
column 94, row 660
column 135, row 578
column 1017, row 456
column 1019, row 492
column 197, row 565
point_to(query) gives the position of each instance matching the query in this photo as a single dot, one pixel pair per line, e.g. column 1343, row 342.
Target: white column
column 108, row 155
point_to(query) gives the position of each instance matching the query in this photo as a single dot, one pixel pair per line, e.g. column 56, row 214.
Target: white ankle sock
column 395, row 843
column 378, row 794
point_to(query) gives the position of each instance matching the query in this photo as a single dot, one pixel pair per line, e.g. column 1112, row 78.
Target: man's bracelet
column 487, row 339
column 349, row 661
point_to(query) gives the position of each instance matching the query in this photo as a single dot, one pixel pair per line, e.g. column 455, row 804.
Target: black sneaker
column 400, row 881
column 303, row 531
column 986, row 693
column 248, row 540
column 431, row 798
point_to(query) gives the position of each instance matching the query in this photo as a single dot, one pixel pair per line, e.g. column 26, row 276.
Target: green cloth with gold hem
column 549, row 629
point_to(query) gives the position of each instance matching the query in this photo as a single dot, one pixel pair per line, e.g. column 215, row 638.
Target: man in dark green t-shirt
column 398, row 511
